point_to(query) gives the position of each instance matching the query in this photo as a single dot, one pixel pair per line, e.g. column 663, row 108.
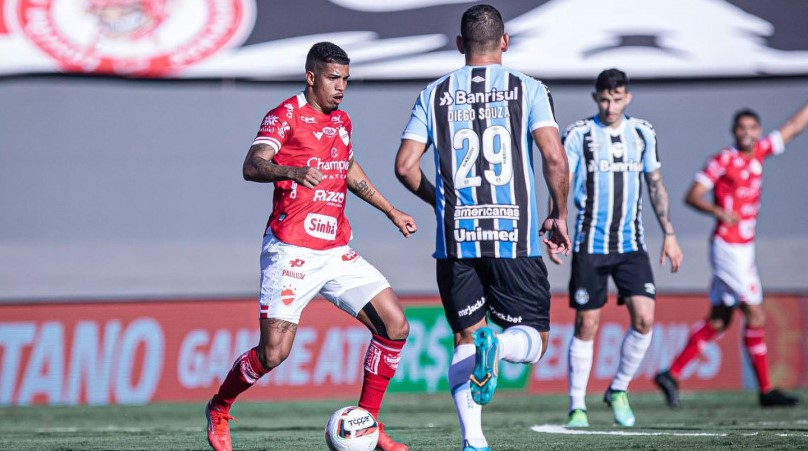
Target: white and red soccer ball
column 351, row 429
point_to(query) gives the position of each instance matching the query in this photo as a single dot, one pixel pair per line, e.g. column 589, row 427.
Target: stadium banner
column 180, row 350
column 399, row 39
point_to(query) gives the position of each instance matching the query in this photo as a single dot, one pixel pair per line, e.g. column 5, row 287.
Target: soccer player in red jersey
column 304, row 148
column 735, row 176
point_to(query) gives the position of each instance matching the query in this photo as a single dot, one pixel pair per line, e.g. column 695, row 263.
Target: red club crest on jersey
column 287, row 296
column 296, row 263
column 139, row 37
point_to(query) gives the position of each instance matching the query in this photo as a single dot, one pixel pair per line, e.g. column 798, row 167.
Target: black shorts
column 514, row 291
column 589, row 281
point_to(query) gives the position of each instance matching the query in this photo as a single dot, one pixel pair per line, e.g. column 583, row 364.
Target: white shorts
column 292, row 275
column 735, row 276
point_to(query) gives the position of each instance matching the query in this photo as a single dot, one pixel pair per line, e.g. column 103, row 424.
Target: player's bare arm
column 697, row 199
column 258, row 167
column 795, row 125
column 556, row 175
column 363, row 188
column 409, row 173
column 661, row 203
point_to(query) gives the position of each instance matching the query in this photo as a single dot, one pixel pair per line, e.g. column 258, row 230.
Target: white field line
column 555, row 429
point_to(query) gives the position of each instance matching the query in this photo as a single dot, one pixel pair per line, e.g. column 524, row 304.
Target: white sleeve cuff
column 778, row 146
column 704, row 180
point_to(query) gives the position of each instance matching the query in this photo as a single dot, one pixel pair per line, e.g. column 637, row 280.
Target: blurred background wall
column 122, row 188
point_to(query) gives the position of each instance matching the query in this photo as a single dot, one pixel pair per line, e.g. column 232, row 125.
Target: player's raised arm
column 259, row 167
column 795, row 124
column 359, row 183
column 409, row 173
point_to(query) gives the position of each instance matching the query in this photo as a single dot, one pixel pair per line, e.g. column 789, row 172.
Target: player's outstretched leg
column 618, row 401
column 486, row 367
column 669, row 387
column 578, row 419
column 778, row 398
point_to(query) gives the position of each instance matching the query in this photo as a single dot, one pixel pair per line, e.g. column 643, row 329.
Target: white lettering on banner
column 203, row 362
column 333, row 364
column 104, row 370
column 13, row 336
column 43, row 374
column 92, row 362
column 146, row 333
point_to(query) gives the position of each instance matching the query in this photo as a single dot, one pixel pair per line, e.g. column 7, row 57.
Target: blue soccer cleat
column 467, row 447
column 486, row 367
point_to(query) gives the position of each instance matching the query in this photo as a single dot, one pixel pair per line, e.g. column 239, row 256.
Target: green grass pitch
column 707, row 421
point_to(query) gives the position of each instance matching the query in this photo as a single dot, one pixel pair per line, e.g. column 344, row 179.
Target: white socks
column 520, row 344
column 580, row 364
column 468, row 412
column 631, row 354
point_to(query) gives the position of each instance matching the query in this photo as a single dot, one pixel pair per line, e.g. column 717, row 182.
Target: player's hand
column 671, row 250
column 307, row 176
column 404, row 222
column 554, row 231
column 727, row 217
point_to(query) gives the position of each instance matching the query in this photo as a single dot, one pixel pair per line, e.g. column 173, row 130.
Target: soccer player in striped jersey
column 735, row 176
column 609, row 155
column 482, row 121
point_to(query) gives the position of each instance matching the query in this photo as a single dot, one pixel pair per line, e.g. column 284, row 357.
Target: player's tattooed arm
column 259, row 167
column 659, row 199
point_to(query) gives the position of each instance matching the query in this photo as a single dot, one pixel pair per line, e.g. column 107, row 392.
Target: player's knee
column 271, row 356
column 398, row 328
column 643, row 324
column 586, row 328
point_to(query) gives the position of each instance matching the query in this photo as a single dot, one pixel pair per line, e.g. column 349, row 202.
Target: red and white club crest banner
column 149, row 38
column 401, row 39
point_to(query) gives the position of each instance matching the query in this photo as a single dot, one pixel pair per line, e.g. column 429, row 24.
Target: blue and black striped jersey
column 479, row 120
column 607, row 186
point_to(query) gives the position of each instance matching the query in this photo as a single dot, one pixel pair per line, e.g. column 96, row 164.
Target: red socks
column 755, row 341
column 697, row 341
column 246, row 371
column 381, row 362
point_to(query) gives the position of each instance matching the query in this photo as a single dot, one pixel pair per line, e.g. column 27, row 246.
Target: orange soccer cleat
column 386, row 443
column 218, row 429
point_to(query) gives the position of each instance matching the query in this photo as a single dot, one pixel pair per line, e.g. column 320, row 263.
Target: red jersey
column 736, row 180
column 302, row 136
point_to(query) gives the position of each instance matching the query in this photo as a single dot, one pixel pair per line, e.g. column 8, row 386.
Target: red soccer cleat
column 386, row 443
column 218, row 429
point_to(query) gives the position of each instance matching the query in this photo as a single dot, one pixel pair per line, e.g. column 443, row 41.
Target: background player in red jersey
column 304, row 148
column 735, row 175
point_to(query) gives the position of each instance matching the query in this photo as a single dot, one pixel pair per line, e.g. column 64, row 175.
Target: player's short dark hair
column 481, row 28
column 325, row 53
column 611, row 79
column 746, row 112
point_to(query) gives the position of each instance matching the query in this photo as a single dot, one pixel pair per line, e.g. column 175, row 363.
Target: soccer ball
column 351, row 429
